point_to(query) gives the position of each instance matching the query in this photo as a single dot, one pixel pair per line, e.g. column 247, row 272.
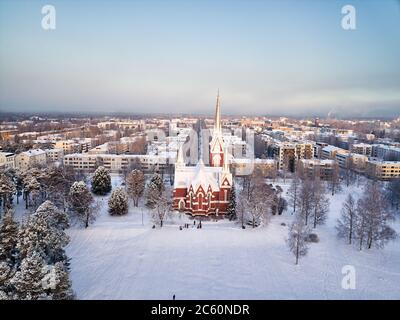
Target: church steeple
column 217, row 120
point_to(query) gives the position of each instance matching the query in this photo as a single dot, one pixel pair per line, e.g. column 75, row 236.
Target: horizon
column 268, row 58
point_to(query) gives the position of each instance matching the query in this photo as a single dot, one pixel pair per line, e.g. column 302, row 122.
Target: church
column 204, row 190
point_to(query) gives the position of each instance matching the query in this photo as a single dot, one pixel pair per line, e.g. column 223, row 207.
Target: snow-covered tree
column 161, row 210
column 80, row 201
column 154, row 190
column 6, row 274
column 7, row 189
column 305, row 200
column 27, row 282
column 8, row 238
column 293, row 192
column 135, row 185
column 347, row 221
column 44, row 233
column 101, row 181
column 320, row 203
column 118, row 202
column 297, row 240
column 393, row 193
column 31, row 189
column 372, row 226
column 335, row 182
column 56, row 282
column 232, row 204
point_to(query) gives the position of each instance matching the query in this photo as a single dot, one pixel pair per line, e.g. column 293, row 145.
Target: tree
column 305, row 200
column 28, row 280
column 154, row 189
column 373, row 217
column 81, row 201
column 31, row 189
column 101, row 181
column 7, row 189
column 297, row 241
column 6, row 274
column 347, row 222
column 232, row 205
column 118, row 202
column 161, row 210
column 320, row 203
column 334, row 182
column 241, row 208
column 293, row 192
column 8, row 238
column 56, row 282
column 44, row 233
column 393, row 193
column 135, row 185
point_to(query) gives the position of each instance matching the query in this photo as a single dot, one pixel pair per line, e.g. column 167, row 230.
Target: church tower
column 217, row 142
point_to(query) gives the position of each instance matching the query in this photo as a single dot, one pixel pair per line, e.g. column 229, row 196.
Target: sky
column 171, row 56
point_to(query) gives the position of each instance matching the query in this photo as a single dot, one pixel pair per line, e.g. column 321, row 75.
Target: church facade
column 204, row 190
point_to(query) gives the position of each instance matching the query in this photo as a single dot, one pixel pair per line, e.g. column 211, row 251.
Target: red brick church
column 204, row 190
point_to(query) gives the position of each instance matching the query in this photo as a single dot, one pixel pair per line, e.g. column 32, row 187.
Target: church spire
column 217, row 121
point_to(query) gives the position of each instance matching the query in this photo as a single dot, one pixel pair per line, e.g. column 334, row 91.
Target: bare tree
column 161, row 210
column 305, row 200
column 293, row 192
column 374, row 215
column 320, row 203
column 334, row 182
column 135, row 185
column 347, row 222
column 297, row 240
column 393, row 193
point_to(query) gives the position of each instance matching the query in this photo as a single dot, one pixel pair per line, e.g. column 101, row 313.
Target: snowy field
column 119, row 258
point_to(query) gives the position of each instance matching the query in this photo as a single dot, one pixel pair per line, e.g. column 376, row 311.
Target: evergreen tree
column 8, row 238
column 80, row 201
column 101, row 181
column 44, row 233
column 232, row 204
column 57, row 284
column 118, row 202
column 154, row 190
column 6, row 274
column 7, row 189
column 28, row 280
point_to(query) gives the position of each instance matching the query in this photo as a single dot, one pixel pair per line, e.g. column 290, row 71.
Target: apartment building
column 382, row 170
column 7, row 160
column 55, row 155
column 317, row 167
column 27, row 159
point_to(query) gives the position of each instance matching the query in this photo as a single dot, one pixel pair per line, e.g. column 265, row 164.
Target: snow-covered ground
column 119, row 258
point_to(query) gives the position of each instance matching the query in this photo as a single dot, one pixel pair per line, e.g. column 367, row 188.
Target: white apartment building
column 7, row 160
column 55, row 155
column 383, row 170
column 362, row 148
column 30, row 158
column 113, row 162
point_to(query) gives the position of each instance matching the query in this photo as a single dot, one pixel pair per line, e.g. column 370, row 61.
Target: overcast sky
column 266, row 57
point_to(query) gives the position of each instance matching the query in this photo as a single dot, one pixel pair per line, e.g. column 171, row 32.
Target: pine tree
column 7, row 189
column 80, row 201
column 135, row 185
column 8, row 238
column 118, row 202
column 101, row 181
column 57, row 283
column 232, row 204
column 28, row 280
column 154, row 190
column 44, row 233
column 6, row 274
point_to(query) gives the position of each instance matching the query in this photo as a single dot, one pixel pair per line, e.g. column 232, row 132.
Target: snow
column 118, row 257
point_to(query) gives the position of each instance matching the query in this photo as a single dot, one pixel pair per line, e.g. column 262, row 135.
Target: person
column 173, row 297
